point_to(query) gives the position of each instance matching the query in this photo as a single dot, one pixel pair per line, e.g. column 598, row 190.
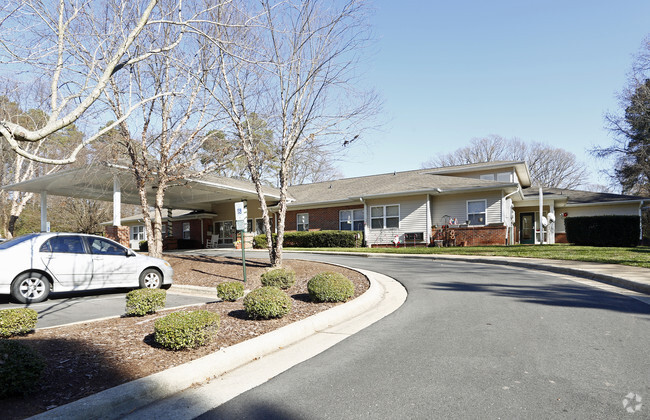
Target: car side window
column 64, row 244
column 103, row 247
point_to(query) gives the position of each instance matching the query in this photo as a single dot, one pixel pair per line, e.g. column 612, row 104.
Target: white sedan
column 36, row 264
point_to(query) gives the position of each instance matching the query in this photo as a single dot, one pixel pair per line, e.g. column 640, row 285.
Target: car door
column 66, row 259
column 111, row 263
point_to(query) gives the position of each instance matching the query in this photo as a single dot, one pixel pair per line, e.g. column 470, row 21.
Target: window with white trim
column 138, row 233
column 477, row 212
column 186, row 230
column 302, row 221
column 384, row 216
column 259, row 226
column 351, row 219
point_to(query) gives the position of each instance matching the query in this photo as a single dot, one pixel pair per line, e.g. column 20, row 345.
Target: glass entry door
column 527, row 228
column 226, row 231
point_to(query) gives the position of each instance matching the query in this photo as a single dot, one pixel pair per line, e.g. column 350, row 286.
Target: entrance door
column 527, row 228
column 225, row 231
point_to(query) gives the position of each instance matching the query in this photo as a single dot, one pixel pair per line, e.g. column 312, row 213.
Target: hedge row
column 316, row 239
column 603, row 230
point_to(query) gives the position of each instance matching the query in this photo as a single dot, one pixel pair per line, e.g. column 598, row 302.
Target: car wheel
column 30, row 288
column 150, row 279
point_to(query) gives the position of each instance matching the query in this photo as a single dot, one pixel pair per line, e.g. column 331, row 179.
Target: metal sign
column 241, row 211
column 240, row 225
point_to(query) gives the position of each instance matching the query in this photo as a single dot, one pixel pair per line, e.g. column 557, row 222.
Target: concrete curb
column 553, row 266
column 119, row 401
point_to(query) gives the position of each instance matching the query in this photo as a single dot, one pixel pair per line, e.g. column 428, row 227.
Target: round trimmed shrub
column 17, row 321
column 330, row 287
column 230, row 291
column 20, row 368
column 141, row 302
column 280, row 277
column 267, row 302
column 181, row 330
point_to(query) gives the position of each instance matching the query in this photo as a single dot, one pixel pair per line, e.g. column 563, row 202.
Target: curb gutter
column 121, row 400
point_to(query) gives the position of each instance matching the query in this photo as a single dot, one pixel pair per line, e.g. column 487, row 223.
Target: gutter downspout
column 510, row 230
column 641, row 221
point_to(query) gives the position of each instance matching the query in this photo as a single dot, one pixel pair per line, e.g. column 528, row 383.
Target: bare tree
column 15, row 167
column 76, row 47
column 165, row 141
column 293, row 62
column 550, row 167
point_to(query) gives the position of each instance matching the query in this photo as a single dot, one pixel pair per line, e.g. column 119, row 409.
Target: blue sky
column 448, row 72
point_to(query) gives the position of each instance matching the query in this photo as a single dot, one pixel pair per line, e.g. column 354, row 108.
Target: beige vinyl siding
column 412, row 218
column 477, row 174
column 455, row 206
column 631, row 209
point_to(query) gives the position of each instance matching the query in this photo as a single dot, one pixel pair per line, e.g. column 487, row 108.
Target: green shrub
column 20, row 368
column 317, row 239
column 230, row 291
column 603, row 230
column 181, row 330
column 17, row 321
column 140, row 302
column 330, row 287
column 144, row 246
column 279, row 277
column 267, row 302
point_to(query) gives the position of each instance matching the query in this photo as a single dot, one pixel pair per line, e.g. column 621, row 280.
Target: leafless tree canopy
column 75, row 47
column 549, row 166
column 291, row 63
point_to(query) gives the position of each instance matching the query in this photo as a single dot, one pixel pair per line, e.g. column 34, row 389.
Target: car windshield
column 18, row 240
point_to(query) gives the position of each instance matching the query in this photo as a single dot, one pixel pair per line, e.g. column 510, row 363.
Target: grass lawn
column 639, row 256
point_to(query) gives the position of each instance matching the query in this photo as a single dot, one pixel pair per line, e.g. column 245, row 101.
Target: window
column 504, row 177
column 487, row 177
column 259, row 226
column 384, row 216
column 186, row 230
column 138, row 233
column 64, row 244
column 302, row 220
column 351, row 219
column 105, row 247
column 249, row 225
column 476, row 212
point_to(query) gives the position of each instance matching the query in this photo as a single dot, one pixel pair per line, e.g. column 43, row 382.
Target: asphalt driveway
column 471, row 341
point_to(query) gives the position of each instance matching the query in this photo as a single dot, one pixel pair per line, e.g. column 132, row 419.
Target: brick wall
column 474, row 236
column 322, row 218
column 119, row 234
column 560, row 238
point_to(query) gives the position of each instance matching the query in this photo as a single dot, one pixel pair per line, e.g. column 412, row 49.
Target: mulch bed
column 86, row 358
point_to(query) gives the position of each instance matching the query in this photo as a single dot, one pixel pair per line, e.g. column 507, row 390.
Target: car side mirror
column 130, row 253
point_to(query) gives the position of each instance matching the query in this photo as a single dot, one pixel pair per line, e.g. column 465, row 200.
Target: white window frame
column 187, row 230
column 484, row 213
column 138, row 233
column 304, row 224
column 384, row 218
column 350, row 221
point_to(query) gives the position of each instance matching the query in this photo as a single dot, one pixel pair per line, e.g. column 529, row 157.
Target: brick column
column 119, row 234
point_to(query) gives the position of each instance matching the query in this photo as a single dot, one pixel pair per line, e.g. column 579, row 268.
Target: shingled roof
column 576, row 197
column 420, row 181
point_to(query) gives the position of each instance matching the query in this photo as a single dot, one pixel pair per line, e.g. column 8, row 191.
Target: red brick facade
column 119, row 234
column 319, row 219
column 472, row 236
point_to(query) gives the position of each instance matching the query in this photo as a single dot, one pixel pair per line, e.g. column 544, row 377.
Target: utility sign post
column 241, row 216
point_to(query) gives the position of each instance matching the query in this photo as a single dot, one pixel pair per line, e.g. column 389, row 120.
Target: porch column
column 541, row 215
column 43, row 211
column 117, row 202
column 551, row 225
column 427, row 237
